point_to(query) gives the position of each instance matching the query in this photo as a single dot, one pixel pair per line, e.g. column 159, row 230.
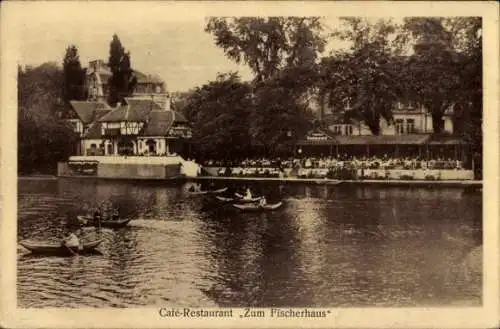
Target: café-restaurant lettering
column 317, row 137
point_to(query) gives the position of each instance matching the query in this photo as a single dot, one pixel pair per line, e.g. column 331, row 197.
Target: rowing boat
column 108, row 223
column 252, row 207
column 227, row 200
column 56, row 248
column 219, row 191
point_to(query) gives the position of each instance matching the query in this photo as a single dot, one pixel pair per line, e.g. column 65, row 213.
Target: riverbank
column 442, row 183
column 38, row 177
column 315, row 181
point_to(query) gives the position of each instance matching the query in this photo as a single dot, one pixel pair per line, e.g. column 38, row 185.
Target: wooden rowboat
column 267, row 207
column 227, row 200
column 108, row 223
column 219, row 191
column 56, row 248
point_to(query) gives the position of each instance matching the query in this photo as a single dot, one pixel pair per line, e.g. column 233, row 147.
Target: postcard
column 249, row 164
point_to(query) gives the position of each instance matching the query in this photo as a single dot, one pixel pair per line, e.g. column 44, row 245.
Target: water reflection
column 328, row 246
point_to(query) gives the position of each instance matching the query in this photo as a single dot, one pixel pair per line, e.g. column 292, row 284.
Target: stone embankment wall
column 394, row 174
column 121, row 170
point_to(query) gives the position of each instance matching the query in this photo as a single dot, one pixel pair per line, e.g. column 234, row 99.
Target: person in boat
column 97, row 215
column 248, row 194
column 115, row 215
column 263, row 202
column 195, row 188
column 72, row 240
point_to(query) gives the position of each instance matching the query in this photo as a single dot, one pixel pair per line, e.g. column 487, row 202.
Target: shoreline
column 443, row 183
column 37, row 177
column 312, row 181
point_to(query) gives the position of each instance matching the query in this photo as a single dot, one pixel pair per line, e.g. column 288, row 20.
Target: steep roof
column 159, row 123
column 94, row 131
column 179, row 118
column 135, row 110
column 147, row 78
column 90, row 111
column 105, row 73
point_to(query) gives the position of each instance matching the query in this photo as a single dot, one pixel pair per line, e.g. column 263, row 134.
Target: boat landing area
column 425, row 183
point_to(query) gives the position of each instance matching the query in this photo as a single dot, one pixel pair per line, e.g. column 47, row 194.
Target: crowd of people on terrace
column 345, row 161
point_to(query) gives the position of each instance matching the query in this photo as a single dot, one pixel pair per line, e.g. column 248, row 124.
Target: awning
column 446, row 140
column 383, row 140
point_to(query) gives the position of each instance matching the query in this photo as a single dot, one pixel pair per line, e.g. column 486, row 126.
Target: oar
column 72, row 252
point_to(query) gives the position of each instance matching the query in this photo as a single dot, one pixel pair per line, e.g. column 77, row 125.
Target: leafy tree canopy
column 219, row 113
column 267, row 45
column 43, row 137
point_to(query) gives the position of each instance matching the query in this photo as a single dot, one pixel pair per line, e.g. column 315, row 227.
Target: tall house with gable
column 148, row 86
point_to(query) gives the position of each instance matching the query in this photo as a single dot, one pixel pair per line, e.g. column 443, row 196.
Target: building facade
column 408, row 119
column 148, row 86
column 141, row 127
column 409, row 134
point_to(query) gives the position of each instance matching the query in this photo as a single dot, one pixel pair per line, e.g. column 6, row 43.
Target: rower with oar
column 72, row 241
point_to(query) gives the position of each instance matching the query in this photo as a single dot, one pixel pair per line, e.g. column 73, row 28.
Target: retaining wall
column 395, row 174
column 124, row 171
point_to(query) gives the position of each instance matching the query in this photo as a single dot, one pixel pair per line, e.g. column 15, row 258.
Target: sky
column 169, row 43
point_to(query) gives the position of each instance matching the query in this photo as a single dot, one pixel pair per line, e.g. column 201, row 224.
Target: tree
column 43, row 137
column 432, row 67
column 467, row 42
column 278, row 119
column 74, row 76
column 365, row 77
column 268, row 45
column 179, row 102
column 122, row 81
column 219, row 111
column 282, row 52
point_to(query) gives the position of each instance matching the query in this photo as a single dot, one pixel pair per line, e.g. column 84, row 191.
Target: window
column 349, row 130
column 336, row 130
column 410, row 126
column 399, row 127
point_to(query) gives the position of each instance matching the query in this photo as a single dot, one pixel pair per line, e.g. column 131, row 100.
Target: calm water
column 338, row 246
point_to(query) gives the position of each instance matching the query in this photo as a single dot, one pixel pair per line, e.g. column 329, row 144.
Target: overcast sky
column 163, row 41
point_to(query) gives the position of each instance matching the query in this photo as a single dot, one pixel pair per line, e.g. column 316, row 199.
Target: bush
column 406, row 177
